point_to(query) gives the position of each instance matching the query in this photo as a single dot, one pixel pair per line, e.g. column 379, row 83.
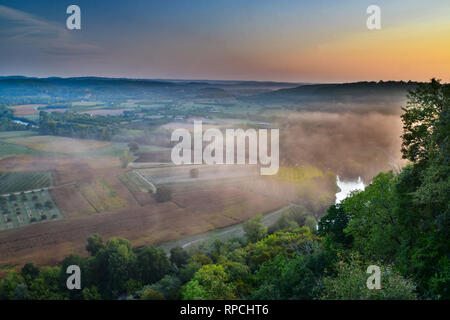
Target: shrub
column 163, row 194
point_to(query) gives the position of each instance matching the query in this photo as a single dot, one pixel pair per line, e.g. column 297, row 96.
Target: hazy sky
column 287, row 40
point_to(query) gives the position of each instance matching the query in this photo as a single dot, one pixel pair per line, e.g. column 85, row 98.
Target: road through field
column 234, row 231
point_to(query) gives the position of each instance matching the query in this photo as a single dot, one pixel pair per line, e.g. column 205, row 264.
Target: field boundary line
column 154, row 189
column 129, row 190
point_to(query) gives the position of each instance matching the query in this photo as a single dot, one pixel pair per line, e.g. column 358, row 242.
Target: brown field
column 188, row 214
column 70, row 202
column 26, row 109
column 65, row 169
column 104, row 112
column 59, row 144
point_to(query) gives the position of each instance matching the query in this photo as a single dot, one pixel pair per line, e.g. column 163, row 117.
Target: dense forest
column 400, row 223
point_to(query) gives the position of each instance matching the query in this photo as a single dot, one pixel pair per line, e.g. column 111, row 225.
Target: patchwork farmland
column 90, row 193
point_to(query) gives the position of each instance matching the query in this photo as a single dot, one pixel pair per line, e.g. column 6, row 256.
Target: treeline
column 290, row 263
column 79, row 125
column 6, row 120
column 403, row 220
column 400, row 223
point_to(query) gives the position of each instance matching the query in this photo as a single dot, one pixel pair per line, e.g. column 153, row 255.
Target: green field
column 10, row 149
column 26, row 208
column 23, row 181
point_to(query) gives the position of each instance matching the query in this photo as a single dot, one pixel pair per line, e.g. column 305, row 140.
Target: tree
column 163, row 194
column 95, row 243
column 91, row 293
column 151, row 294
column 333, row 225
column 286, row 278
column 152, row 264
column 112, row 267
column 350, row 283
column 425, row 119
column 48, row 204
column 254, row 229
column 133, row 147
column 372, row 221
column 210, row 282
column 29, row 272
column 179, row 256
column 9, row 284
column 125, row 159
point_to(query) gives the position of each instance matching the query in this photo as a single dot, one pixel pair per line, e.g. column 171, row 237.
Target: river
column 346, row 187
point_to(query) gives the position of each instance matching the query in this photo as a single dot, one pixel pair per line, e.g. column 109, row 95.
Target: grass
column 16, row 134
column 27, row 208
column 25, row 180
column 101, row 196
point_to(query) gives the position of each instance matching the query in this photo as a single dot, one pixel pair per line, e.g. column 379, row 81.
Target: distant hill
column 342, row 91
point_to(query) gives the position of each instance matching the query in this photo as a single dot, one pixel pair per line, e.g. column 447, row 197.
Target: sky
column 266, row 40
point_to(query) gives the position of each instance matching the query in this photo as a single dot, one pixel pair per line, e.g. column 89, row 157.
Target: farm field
column 58, row 144
column 71, row 202
column 138, row 187
column 180, row 174
column 65, row 168
column 104, row 112
column 10, row 149
column 27, row 109
column 27, row 208
column 149, row 224
column 23, row 181
column 95, row 195
column 106, row 194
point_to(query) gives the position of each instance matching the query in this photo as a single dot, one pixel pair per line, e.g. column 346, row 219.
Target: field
column 26, row 109
column 26, row 208
column 22, row 181
column 104, row 112
column 58, row 144
column 95, row 195
column 150, row 224
column 138, row 187
column 70, row 202
column 119, row 203
column 106, row 194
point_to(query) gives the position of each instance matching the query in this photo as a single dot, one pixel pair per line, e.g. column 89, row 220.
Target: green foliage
column 91, row 293
column 151, row 294
column 425, row 121
column 29, row 272
column 153, row 264
column 179, row 256
column 9, row 284
column 125, row 159
column 254, row 229
column 286, row 278
column 350, row 284
column 95, row 244
column 333, row 224
column 210, row 282
column 372, row 221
